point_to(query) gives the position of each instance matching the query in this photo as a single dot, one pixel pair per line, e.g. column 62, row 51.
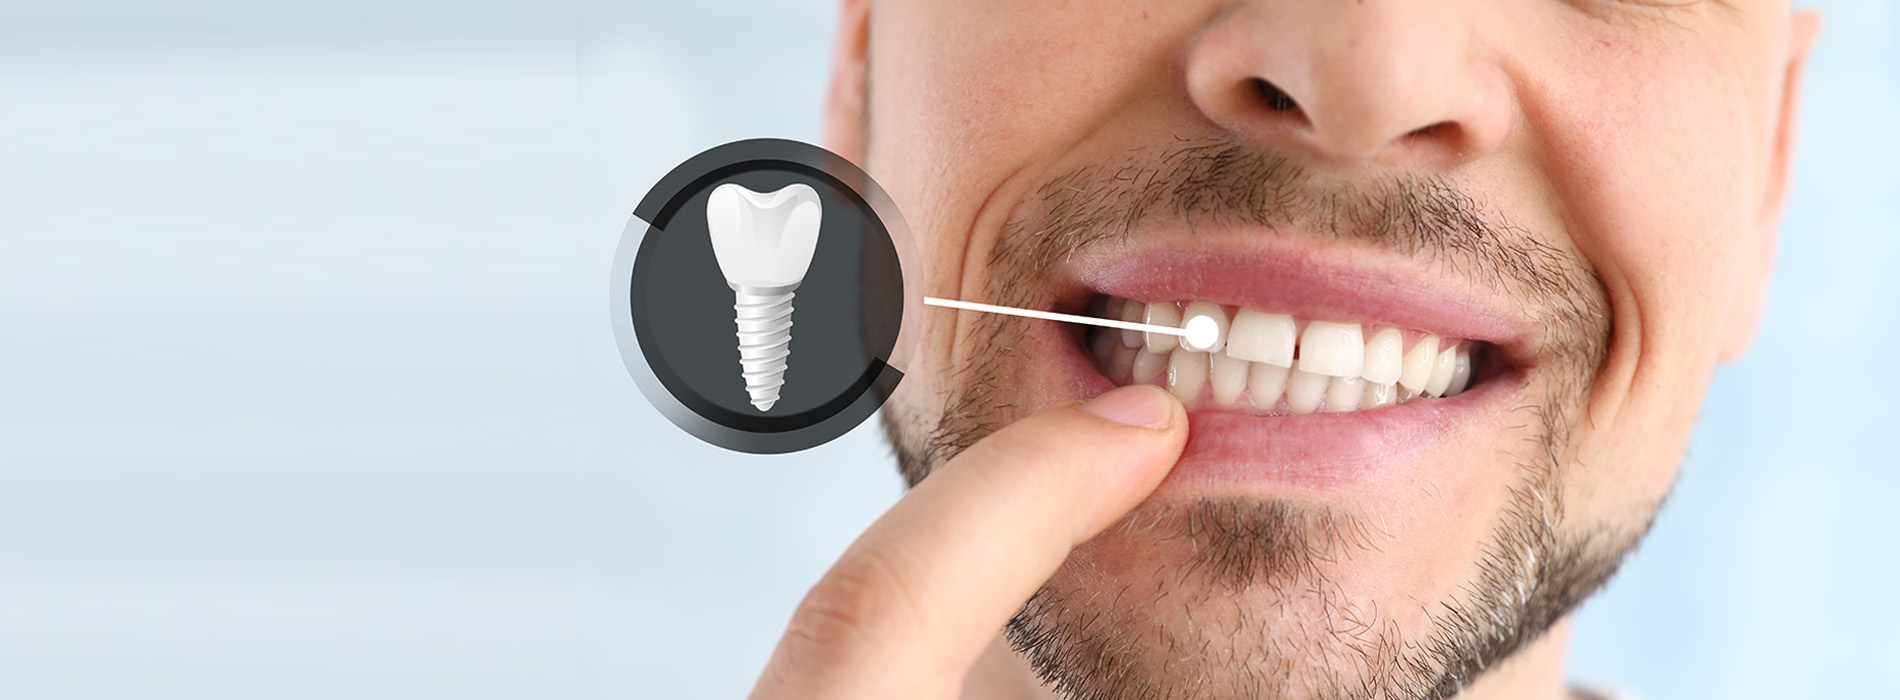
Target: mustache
column 1226, row 183
column 1223, row 182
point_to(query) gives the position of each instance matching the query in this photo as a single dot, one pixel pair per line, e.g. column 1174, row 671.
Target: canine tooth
column 1149, row 365
column 1460, row 374
column 1111, row 306
column 1385, row 354
column 1187, row 373
column 1161, row 314
column 1133, row 312
column 1406, row 394
column 1266, row 383
column 1333, row 349
column 1379, row 395
column 1304, row 390
column 1418, row 364
column 1228, row 377
column 1261, row 337
column 1210, row 310
column 1442, row 367
column 1343, row 394
column 1101, row 345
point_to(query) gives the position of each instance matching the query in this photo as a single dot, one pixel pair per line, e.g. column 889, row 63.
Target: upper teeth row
column 1334, row 366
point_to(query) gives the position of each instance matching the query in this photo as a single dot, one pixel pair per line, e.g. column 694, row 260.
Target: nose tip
column 1387, row 83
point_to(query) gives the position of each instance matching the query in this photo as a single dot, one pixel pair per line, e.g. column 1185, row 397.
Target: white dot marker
column 1202, row 333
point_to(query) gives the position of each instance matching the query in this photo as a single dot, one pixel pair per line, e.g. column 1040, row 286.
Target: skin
column 1648, row 146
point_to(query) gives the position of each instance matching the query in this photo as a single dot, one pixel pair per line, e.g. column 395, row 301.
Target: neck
column 1535, row 672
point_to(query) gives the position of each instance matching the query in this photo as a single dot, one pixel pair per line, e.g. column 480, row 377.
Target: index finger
column 912, row 603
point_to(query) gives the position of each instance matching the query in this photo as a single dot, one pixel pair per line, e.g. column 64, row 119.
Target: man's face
column 1478, row 261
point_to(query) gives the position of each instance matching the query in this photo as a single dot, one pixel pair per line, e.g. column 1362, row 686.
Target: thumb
column 908, row 608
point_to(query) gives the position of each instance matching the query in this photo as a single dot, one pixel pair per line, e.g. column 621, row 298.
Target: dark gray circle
column 846, row 313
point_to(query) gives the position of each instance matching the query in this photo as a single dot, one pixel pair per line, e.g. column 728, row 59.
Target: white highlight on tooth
column 1187, row 373
column 1262, row 337
column 1266, row 384
column 1133, row 312
column 1460, row 374
column 1149, row 365
column 1228, row 378
column 1305, row 390
column 1333, row 349
column 1343, row 394
column 1385, row 356
column 1378, row 395
column 1166, row 315
column 1418, row 364
column 1442, row 367
column 1206, row 326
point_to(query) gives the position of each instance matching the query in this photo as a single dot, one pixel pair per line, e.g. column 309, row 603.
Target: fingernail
column 1140, row 405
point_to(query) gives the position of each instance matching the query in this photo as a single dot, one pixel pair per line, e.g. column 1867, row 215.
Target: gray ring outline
column 776, row 154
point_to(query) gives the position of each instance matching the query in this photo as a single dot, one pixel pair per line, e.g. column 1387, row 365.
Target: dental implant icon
column 764, row 243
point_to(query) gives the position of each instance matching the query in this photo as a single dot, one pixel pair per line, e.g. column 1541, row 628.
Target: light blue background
column 307, row 388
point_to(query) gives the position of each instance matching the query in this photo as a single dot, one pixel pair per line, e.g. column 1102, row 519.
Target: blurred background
column 307, row 388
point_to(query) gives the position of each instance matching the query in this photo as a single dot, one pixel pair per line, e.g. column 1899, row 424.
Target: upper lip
column 1322, row 280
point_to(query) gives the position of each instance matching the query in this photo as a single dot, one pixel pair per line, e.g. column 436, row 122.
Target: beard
column 1237, row 597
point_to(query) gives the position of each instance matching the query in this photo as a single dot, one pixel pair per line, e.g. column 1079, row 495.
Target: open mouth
column 1326, row 365
column 1275, row 364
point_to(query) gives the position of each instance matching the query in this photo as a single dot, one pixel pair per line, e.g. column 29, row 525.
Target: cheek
column 970, row 102
column 1655, row 179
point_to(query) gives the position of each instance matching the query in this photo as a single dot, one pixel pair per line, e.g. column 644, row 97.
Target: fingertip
column 1140, row 405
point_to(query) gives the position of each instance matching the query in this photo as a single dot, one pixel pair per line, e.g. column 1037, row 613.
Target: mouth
column 1319, row 370
column 1275, row 364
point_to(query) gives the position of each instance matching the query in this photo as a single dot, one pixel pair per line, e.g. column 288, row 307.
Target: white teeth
column 1187, row 373
column 1328, row 366
column 1161, row 314
column 1442, row 368
column 1266, row 383
column 1333, row 349
column 1460, row 374
column 1227, row 378
column 1379, row 395
column 1261, row 337
column 1343, row 394
column 1148, row 366
column 1385, row 353
column 1418, row 364
column 1305, row 390
column 1133, row 312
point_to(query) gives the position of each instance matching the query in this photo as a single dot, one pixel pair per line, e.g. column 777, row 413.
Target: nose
column 1395, row 83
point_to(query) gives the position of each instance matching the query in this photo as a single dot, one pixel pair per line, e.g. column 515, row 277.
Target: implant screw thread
column 764, row 318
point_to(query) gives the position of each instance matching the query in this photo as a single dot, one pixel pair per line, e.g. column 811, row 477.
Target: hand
column 916, row 599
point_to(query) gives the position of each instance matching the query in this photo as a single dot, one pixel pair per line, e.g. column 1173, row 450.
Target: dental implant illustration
column 764, row 243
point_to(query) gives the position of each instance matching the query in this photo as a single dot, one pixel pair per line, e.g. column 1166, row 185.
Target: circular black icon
column 759, row 295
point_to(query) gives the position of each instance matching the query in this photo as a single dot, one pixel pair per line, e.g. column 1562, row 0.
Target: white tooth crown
column 1333, row 349
column 1276, row 363
column 1264, row 338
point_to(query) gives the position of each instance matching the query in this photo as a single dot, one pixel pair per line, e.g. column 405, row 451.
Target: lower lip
column 1238, row 452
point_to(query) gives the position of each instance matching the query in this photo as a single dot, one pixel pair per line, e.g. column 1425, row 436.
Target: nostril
column 1276, row 99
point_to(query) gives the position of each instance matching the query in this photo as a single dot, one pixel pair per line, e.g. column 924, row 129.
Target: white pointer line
column 1053, row 316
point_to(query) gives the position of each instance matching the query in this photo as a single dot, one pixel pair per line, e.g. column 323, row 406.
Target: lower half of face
column 1430, row 408
column 1374, row 497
